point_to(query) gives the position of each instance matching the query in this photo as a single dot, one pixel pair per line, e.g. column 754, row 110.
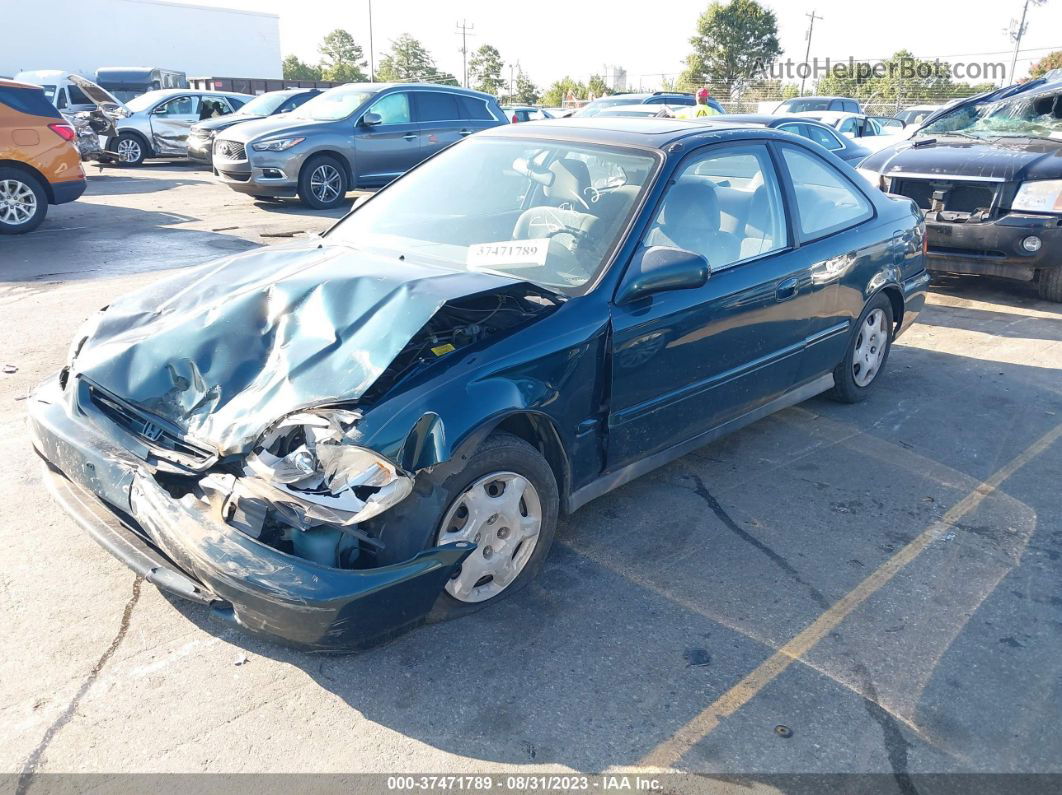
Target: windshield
column 546, row 212
column 263, row 104
column 802, row 105
column 598, row 105
column 337, row 103
column 1037, row 116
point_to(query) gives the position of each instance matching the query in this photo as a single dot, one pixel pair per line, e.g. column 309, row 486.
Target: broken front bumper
column 994, row 247
column 195, row 554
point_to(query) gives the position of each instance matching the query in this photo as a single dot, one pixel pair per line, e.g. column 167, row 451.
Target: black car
column 325, row 442
column 987, row 173
column 841, row 145
column 201, row 137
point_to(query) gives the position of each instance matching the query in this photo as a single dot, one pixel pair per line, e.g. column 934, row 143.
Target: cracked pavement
column 657, row 600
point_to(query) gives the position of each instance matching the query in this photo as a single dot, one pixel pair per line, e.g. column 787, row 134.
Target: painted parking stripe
column 669, row 752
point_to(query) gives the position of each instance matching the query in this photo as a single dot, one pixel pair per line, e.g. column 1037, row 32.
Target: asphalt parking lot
column 868, row 588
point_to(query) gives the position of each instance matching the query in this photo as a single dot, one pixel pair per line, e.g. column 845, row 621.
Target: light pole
column 807, row 53
column 372, row 62
column 1017, row 39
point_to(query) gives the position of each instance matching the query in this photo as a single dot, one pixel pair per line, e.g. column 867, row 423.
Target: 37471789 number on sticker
column 508, row 252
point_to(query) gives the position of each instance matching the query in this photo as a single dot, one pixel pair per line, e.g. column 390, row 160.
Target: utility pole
column 463, row 28
column 1016, row 35
column 372, row 62
column 807, row 53
column 511, row 85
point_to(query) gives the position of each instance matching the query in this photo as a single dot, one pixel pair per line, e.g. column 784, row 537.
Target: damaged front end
column 213, row 424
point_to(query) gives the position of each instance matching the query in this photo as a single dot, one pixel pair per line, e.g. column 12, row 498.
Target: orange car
column 39, row 161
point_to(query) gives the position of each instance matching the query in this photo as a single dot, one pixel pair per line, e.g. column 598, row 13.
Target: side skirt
column 613, row 480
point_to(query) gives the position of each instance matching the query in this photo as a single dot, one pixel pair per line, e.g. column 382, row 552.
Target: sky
column 554, row 38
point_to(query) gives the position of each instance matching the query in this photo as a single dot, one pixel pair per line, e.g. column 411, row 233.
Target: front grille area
column 229, row 150
column 959, row 196
column 149, row 430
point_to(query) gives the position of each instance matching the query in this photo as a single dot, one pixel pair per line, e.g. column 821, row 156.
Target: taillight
column 515, row 120
column 64, row 131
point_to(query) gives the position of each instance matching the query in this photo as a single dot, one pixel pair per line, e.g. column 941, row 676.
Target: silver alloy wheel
column 501, row 513
column 325, row 182
column 128, row 150
column 870, row 347
column 18, row 202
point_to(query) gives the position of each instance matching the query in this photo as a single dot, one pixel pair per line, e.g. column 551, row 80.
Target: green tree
column 410, row 62
column 557, row 93
column 485, row 70
column 524, row 91
column 597, row 86
column 900, row 80
column 732, row 43
column 341, row 58
column 295, row 69
column 1053, row 60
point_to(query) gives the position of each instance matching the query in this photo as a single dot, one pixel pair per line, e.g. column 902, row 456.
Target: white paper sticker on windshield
column 509, row 253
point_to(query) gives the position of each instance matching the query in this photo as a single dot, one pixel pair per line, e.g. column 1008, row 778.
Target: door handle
column 464, row 132
column 410, row 136
column 786, row 290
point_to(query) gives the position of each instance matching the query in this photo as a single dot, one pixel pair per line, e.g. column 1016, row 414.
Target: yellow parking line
column 667, row 753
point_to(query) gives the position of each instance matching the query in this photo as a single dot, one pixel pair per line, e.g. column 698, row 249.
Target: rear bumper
column 68, row 190
column 185, row 548
column 995, row 247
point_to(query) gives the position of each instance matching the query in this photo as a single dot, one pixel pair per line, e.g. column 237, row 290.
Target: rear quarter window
column 472, row 108
column 28, row 100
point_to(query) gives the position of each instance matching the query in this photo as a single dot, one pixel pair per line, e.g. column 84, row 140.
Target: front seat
column 690, row 220
column 571, row 181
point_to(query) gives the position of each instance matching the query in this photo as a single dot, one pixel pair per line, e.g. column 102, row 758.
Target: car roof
column 4, row 83
column 377, row 87
column 650, row 132
column 163, row 93
column 832, row 115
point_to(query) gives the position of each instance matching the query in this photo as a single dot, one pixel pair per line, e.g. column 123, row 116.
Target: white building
column 83, row 35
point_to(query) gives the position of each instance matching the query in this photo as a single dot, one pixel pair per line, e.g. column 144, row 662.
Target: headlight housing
column 276, row 145
column 1041, row 196
column 309, row 469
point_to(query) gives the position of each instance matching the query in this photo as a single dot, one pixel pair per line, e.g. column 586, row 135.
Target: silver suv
column 359, row 135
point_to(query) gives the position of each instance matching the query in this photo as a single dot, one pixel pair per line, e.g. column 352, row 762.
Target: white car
column 874, row 133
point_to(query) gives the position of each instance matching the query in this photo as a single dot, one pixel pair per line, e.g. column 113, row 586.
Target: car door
column 687, row 361
column 441, row 120
column 387, row 150
column 827, row 209
column 171, row 122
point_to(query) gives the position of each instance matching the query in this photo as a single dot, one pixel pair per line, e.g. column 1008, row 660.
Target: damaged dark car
column 330, row 441
column 987, row 173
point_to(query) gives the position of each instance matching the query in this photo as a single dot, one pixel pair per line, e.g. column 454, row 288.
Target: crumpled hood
column 999, row 159
column 225, row 349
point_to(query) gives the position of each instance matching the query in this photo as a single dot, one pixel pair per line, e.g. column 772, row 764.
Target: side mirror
column 659, row 268
column 371, row 119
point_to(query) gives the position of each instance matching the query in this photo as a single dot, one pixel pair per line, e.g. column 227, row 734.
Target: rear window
column 472, row 108
column 28, row 100
column 436, row 106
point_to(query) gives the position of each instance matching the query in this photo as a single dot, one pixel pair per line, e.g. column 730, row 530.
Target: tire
column 849, row 377
column 1049, row 284
column 417, row 522
column 130, row 149
column 323, row 183
column 23, row 202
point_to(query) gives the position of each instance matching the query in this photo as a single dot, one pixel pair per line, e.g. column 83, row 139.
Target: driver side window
column 725, row 205
column 392, row 109
column 179, row 106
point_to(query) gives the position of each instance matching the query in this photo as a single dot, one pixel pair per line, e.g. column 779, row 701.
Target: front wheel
column 23, row 202
column 130, row 149
column 868, row 350
column 504, row 500
column 322, row 183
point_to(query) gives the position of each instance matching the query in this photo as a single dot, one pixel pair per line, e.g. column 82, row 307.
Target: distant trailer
column 255, row 85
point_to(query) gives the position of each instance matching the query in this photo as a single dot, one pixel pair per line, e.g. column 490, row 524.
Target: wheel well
column 540, row 433
column 896, row 299
column 342, row 162
column 28, row 169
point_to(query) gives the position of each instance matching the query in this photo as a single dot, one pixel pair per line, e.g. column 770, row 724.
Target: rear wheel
column 1049, row 284
column 322, row 183
column 868, row 350
column 23, row 202
column 130, row 149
